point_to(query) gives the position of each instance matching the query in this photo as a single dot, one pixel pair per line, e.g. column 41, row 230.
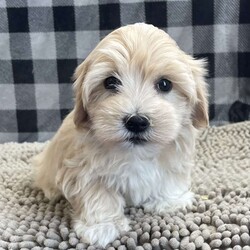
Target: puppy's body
column 97, row 162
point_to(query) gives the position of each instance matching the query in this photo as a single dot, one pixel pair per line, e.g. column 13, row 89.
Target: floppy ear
column 80, row 113
column 200, row 111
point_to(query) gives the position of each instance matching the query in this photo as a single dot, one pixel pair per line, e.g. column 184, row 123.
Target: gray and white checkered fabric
column 42, row 41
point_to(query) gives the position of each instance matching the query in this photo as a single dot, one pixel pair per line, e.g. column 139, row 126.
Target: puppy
column 130, row 138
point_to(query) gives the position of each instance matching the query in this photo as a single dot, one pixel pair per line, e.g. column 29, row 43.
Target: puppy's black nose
column 136, row 123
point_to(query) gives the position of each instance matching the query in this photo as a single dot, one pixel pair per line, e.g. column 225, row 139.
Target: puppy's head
column 137, row 87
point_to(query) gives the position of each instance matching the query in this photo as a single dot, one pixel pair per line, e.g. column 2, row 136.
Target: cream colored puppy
column 130, row 138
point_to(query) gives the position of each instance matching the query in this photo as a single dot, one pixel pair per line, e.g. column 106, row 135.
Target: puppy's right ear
column 200, row 112
column 80, row 113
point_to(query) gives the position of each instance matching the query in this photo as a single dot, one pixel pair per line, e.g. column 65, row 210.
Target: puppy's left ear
column 80, row 113
column 200, row 111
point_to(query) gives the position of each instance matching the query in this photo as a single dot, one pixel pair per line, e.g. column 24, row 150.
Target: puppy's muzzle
column 136, row 123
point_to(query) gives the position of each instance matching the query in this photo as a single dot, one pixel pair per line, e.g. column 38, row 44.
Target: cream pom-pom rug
column 218, row 219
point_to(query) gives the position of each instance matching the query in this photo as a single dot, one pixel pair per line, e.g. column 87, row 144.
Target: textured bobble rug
column 219, row 218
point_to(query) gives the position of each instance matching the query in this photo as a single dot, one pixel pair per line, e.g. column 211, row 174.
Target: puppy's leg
column 45, row 165
column 99, row 215
column 50, row 160
column 170, row 193
column 169, row 203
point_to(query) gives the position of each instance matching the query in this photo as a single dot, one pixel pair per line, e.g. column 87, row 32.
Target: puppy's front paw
column 100, row 234
column 52, row 194
column 169, row 204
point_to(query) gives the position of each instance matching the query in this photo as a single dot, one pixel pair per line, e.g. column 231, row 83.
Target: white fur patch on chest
column 135, row 179
column 141, row 178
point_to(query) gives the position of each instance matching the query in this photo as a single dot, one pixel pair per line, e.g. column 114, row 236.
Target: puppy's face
column 138, row 88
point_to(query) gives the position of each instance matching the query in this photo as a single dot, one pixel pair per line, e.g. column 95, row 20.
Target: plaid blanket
column 41, row 43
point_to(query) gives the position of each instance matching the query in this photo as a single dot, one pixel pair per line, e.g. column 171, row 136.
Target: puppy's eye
column 164, row 85
column 112, row 83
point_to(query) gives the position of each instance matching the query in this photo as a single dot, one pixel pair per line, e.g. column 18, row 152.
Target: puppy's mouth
column 137, row 140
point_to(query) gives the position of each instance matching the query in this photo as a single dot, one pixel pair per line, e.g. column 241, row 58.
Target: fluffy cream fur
column 90, row 161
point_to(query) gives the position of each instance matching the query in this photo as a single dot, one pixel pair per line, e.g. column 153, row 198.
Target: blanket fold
column 218, row 219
